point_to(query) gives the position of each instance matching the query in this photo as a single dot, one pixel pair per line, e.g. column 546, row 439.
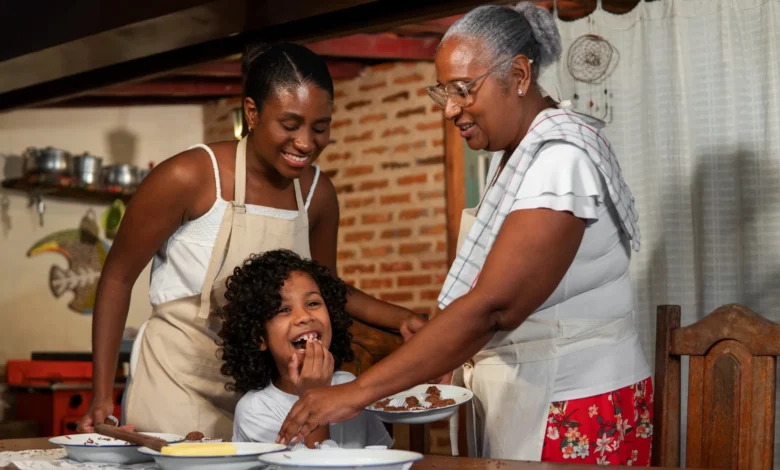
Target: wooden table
column 431, row 462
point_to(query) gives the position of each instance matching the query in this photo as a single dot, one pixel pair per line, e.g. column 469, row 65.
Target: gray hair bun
column 545, row 32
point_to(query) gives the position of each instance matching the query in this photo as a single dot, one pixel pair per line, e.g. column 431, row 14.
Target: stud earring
column 520, row 92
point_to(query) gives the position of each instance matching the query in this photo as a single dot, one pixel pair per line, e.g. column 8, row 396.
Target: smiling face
column 302, row 316
column 291, row 129
column 489, row 121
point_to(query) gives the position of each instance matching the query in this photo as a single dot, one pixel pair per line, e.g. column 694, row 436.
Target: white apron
column 513, row 383
column 177, row 386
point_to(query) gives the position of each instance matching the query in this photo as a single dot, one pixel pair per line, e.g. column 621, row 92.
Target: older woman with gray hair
column 537, row 310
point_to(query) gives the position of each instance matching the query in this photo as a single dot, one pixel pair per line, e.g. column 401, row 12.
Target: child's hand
column 311, row 368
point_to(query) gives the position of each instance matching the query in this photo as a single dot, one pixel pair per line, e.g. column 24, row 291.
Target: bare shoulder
column 185, row 180
column 186, row 170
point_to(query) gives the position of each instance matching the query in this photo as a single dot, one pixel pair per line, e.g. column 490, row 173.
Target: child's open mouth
column 300, row 342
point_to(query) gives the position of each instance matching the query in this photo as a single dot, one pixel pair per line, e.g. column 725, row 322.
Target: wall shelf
column 64, row 187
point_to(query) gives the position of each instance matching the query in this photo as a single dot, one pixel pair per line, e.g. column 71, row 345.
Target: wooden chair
column 731, row 389
column 371, row 345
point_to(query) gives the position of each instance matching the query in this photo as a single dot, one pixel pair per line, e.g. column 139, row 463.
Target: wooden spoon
column 131, row 436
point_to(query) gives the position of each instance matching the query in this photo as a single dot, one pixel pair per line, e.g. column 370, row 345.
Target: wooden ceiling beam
column 101, row 47
column 173, row 88
column 232, row 68
column 119, row 101
column 437, row 26
column 218, row 79
column 377, row 46
column 220, row 68
column 205, row 32
column 576, row 9
column 420, row 29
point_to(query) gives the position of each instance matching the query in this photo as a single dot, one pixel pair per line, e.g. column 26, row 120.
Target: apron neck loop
column 238, row 208
column 239, row 193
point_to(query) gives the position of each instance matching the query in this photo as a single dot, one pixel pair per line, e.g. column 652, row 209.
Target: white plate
column 95, row 447
column 246, row 458
column 342, row 459
column 459, row 394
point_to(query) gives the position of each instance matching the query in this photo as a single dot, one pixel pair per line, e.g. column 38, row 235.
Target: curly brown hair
column 253, row 298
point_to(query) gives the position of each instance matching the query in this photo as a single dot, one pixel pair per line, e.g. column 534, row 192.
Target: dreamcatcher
column 591, row 60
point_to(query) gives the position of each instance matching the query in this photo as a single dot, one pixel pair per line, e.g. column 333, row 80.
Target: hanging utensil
column 41, row 208
column 5, row 217
column 112, row 217
column 89, row 227
column 36, row 200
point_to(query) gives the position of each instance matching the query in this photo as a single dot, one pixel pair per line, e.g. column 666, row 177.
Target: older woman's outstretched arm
column 530, row 256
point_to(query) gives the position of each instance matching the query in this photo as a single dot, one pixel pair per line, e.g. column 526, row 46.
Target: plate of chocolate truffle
column 421, row 404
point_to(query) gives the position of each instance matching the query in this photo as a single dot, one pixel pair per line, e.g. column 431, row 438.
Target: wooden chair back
column 371, row 345
column 731, row 389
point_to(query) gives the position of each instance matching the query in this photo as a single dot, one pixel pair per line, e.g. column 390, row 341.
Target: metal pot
column 47, row 160
column 86, row 168
column 120, row 175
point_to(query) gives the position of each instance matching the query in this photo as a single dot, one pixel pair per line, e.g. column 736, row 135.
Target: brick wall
column 386, row 160
column 387, row 163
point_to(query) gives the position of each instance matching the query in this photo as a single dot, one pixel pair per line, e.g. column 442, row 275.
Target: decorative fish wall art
column 85, row 251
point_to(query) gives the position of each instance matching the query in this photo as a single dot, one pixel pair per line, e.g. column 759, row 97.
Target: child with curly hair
column 285, row 331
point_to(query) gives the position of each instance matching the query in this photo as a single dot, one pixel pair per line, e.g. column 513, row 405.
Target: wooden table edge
column 431, row 462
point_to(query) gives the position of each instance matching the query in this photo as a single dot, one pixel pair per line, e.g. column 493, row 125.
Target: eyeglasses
column 458, row 90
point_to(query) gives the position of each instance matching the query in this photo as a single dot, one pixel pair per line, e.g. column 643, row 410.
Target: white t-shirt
column 260, row 414
column 597, row 285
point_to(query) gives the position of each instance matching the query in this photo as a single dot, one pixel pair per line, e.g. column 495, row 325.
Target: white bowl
column 342, row 459
column 245, row 459
column 95, row 447
column 459, row 394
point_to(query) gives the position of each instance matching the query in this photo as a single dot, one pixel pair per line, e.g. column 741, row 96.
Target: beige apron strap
column 239, row 193
column 225, row 229
column 299, row 196
column 216, row 257
column 462, row 377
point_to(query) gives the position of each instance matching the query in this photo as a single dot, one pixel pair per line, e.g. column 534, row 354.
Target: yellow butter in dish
column 200, row 449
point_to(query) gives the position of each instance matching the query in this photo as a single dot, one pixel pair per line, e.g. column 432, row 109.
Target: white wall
column 31, row 318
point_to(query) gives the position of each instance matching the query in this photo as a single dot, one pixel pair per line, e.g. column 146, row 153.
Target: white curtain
column 694, row 105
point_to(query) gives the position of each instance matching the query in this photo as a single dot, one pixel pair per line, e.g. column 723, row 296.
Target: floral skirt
column 614, row 428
